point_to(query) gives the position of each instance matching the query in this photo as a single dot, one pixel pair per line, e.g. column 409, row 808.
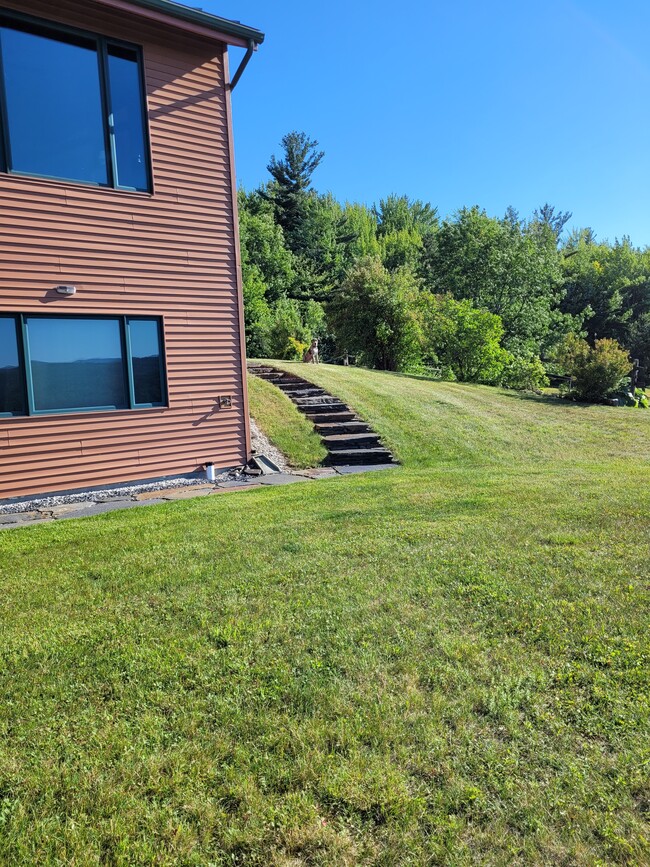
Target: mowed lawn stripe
column 441, row 663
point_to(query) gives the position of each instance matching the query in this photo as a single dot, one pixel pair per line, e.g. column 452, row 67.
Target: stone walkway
column 105, row 503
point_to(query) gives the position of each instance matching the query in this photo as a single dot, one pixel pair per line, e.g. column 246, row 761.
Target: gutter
column 204, row 19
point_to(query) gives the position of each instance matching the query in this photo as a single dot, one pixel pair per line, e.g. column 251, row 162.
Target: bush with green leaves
column 463, row 338
column 637, row 398
column 524, row 374
column 374, row 316
column 596, row 371
column 294, row 350
column 257, row 312
column 285, row 325
column 279, row 330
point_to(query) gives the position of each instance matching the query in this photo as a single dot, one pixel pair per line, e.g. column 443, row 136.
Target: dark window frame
column 54, row 30
column 124, row 321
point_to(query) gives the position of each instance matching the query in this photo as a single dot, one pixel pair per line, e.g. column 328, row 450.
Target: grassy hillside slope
column 445, row 663
column 433, row 423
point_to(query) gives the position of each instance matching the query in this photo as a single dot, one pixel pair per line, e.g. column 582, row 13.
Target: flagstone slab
column 20, row 517
column 282, row 479
column 186, row 493
column 364, row 468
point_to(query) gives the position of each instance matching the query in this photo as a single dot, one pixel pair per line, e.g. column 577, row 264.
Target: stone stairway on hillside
column 349, row 440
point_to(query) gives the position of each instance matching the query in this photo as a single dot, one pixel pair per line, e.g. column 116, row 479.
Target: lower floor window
column 79, row 363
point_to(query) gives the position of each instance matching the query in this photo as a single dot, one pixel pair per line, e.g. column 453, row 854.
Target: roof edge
column 205, row 19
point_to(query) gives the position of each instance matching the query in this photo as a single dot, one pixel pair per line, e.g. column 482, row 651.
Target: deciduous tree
column 374, row 316
column 502, row 268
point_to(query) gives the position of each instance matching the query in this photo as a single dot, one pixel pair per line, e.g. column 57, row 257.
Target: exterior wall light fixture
column 66, row 290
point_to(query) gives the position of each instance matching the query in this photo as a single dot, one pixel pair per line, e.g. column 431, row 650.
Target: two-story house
column 122, row 354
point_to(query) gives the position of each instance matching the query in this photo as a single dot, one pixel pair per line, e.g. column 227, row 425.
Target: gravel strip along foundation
column 108, row 494
column 83, row 504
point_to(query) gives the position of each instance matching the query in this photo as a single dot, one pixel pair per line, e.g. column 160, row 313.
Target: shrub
column 257, row 314
column 285, row 321
column 294, row 349
column 464, row 339
column 635, row 399
column 288, row 328
column 597, row 371
column 524, row 374
column 374, row 316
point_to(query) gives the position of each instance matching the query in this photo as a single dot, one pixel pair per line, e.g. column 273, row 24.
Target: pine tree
column 546, row 216
column 292, row 183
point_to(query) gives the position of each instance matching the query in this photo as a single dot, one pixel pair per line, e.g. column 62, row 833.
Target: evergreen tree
column 399, row 213
column 403, row 227
column 289, row 192
column 546, row 216
column 359, row 234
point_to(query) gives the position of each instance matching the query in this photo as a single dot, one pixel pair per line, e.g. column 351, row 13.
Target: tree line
column 473, row 297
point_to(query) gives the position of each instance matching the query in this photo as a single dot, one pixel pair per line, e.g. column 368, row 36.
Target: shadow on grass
column 553, row 399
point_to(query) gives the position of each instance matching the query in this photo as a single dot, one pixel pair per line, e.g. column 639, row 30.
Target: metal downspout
column 252, row 45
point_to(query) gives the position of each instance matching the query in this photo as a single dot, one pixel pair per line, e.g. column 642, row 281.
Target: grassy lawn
column 287, row 428
column 446, row 663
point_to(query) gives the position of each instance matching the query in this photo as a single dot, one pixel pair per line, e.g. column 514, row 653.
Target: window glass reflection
column 54, row 109
column 146, row 358
column 128, row 119
column 12, row 394
column 76, row 363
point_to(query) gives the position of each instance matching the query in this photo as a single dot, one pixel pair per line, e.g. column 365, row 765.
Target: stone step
column 330, row 417
column 325, row 404
column 349, row 441
column 340, row 427
column 350, row 457
column 299, row 397
column 302, row 391
column 341, row 442
column 281, row 381
column 322, row 408
column 276, row 374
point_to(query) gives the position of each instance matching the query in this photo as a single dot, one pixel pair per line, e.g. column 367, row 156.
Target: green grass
column 445, row 663
column 287, row 428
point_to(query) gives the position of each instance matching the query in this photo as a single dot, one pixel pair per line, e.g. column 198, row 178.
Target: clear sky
column 488, row 102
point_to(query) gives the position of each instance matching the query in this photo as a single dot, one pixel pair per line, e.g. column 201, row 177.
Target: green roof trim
column 198, row 16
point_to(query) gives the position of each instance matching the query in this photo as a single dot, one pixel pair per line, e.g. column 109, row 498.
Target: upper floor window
column 73, row 106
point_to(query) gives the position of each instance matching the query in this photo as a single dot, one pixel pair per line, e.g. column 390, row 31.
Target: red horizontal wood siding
column 172, row 254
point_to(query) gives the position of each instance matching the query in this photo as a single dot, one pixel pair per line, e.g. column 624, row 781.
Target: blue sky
column 471, row 102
